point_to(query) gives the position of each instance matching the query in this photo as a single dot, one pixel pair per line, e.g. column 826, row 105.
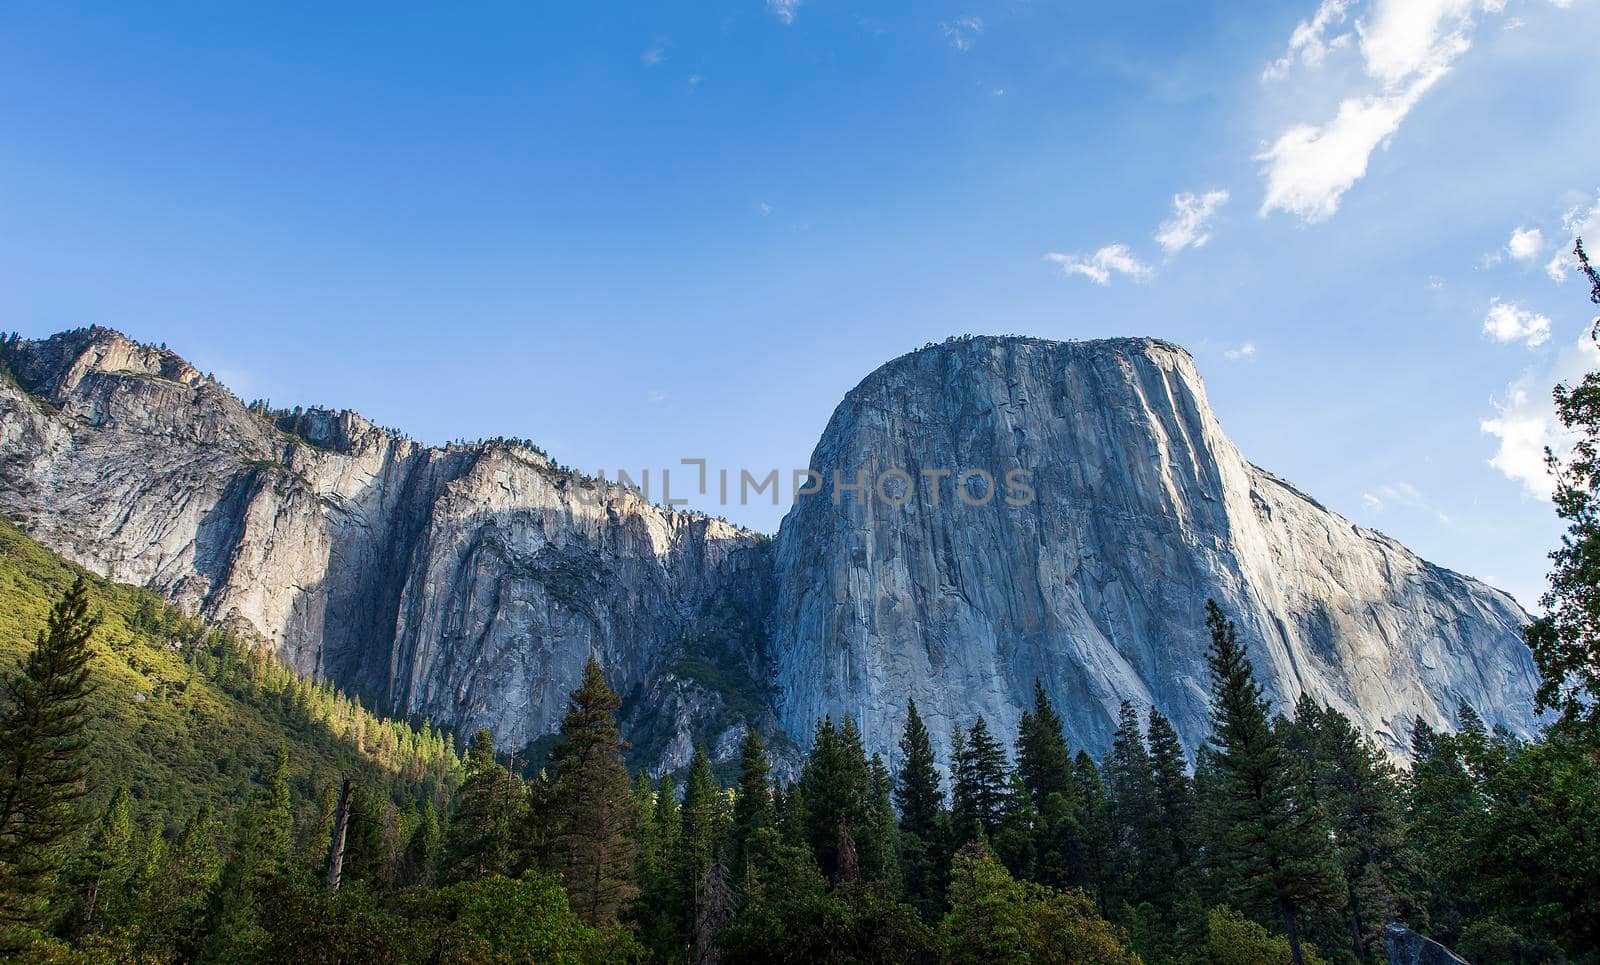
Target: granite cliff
column 1142, row 509
column 468, row 583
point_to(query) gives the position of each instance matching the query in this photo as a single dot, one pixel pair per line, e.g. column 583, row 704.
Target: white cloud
column 784, row 10
column 1310, row 168
column 1403, row 495
column 1508, row 322
column 1525, row 243
column 763, row 208
column 962, row 32
column 1099, row 267
column 1525, row 418
column 656, row 54
column 1245, row 352
column 1308, row 43
column 1189, row 226
column 1406, row 47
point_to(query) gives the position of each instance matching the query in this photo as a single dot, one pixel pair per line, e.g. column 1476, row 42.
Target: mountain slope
column 1143, row 510
column 469, row 583
column 464, row 583
column 183, row 715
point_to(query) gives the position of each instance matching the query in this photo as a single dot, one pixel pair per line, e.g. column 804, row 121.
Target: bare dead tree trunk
column 341, row 824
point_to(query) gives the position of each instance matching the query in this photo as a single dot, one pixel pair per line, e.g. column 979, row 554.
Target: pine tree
column 835, row 784
column 591, row 806
column 319, row 834
column 1174, row 821
column 661, row 907
column 700, row 880
column 421, row 864
column 1273, row 850
column 188, row 875
column 42, row 744
column 880, row 837
column 1361, row 791
column 1133, row 802
column 1042, row 757
column 979, row 787
column 922, row 818
column 261, row 854
column 1093, row 821
column 97, row 877
column 489, row 810
column 752, row 810
column 1016, row 840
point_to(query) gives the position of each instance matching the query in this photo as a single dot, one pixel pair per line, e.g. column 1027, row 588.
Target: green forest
column 172, row 792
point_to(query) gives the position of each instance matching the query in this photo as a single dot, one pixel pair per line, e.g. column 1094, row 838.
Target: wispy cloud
column 1309, row 43
column 962, row 32
column 1403, row 495
column 1100, row 266
column 1243, row 353
column 1190, row 224
column 1406, row 47
column 656, row 54
column 1509, row 322
column 784, row 10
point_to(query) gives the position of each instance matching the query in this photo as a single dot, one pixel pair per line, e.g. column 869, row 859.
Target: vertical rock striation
column 469, row 583
column 465, row 583
column 1143, row 510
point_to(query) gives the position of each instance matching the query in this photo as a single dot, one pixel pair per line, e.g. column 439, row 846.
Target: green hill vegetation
column 183, row 713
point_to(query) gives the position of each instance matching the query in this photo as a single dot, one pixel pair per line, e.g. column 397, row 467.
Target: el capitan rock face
column 1097, row 587
column 469, row 583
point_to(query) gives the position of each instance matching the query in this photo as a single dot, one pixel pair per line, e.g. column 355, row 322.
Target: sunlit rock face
column 1142, row 510
column 470, row 583
column 466, row 583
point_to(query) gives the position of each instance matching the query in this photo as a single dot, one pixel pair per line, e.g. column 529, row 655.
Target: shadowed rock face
column 470, row 583
column 1143, row 510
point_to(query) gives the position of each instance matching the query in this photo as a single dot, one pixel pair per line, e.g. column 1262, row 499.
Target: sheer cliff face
column 1142, row 510
column 470, row 583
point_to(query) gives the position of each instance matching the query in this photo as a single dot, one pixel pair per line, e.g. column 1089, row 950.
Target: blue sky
column 642, row 232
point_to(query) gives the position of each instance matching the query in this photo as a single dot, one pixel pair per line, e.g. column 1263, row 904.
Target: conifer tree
column 1042, row 757
column 702, row 883
column 42, row 744
column 261, row 853
column 1360, row 789
column 979, row 787
column 880, row 851
column 835, row 785
column 319, row 834
column 592, row 811
column 422, row 850
column 98, row 875
column 1016, row 840
column 1173, row 842
column 1094, row 828
column 1273, row 850
column 922, row 818
column 752, row 810
column 1132, row 796
column 488, row 811
column 178, row 894
column 661, row 907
